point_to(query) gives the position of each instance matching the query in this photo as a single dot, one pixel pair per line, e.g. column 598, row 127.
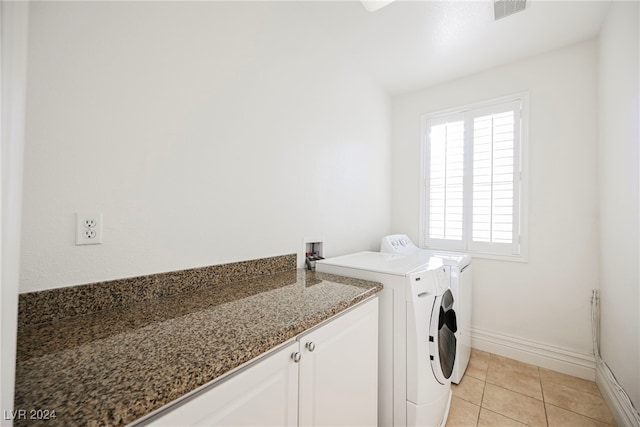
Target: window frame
column 519, row 247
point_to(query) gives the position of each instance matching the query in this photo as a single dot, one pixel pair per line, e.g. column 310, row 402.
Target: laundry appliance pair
column 458, row 269
column 417, row 333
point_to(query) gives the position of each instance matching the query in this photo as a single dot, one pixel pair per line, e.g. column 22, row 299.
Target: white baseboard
column 621, row 410
column 554, row 358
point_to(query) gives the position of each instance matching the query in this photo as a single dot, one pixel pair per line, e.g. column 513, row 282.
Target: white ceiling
column 414, row 44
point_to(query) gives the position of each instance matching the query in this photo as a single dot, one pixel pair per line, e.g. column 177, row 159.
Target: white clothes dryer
column 459, row 273
column 417, row 339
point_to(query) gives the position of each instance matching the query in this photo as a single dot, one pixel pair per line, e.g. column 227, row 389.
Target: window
column 473, row 179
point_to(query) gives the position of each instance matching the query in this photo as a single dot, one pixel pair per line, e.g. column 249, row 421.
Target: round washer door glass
column 443, row 328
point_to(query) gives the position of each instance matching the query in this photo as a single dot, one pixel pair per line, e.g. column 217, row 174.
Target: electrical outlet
column 88, row 229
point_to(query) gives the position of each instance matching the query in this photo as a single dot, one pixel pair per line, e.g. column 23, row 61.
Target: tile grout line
column 516, row 392
column 484, row 384
column 507, row 417
column 521, row 394
column 496, row 385
column 567, row 409
column 484, row 388
column 582, row 415
column 544, row 402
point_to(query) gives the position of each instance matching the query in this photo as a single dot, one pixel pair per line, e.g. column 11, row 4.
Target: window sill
column 482, row 255
column 511, row 258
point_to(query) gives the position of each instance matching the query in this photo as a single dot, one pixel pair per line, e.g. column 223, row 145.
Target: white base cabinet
column 327, row 377
column 339, row 378
column 263, row 394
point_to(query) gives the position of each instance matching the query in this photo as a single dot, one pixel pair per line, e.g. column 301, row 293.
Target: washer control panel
column 398, row 243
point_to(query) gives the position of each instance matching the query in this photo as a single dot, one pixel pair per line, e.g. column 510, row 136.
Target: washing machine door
column 442, row 339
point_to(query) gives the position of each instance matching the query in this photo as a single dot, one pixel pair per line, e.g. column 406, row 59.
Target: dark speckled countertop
column 113, row 366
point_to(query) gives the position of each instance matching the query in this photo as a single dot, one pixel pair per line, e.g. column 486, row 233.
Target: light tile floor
column 500, row 392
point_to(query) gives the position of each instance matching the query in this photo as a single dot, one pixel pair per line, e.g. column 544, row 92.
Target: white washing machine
column 417, row 342
column 459, row 276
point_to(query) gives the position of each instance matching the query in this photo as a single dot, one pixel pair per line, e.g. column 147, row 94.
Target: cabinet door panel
column 339, row 378
column 264, row 394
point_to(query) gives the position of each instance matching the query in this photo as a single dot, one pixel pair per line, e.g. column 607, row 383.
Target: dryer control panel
column 430, row 283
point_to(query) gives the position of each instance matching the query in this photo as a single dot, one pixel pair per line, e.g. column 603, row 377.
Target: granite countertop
column 113, row 366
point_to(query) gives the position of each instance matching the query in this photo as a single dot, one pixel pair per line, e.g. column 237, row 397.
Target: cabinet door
column 339, row 370
column 265, row 394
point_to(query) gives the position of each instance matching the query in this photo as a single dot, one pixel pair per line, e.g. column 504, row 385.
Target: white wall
column 618, row 153
column 14, row 21
column 205, row 132
column 546, row 301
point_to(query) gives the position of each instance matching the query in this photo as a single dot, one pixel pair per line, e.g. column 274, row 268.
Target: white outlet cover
column 88, row 228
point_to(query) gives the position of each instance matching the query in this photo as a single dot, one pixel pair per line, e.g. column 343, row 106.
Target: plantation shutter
column 472, row 180
column 495, row 179
column 445, row 198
